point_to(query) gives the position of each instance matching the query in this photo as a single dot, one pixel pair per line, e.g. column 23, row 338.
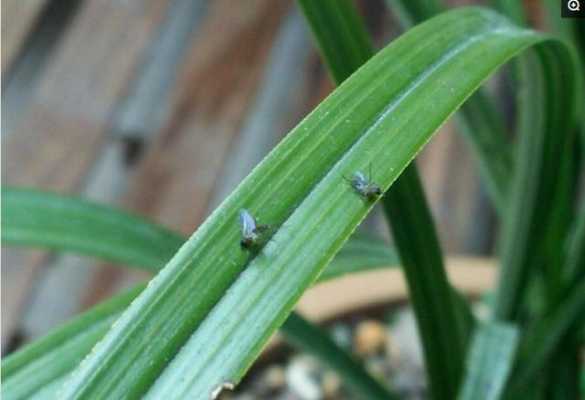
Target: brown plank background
column 161, row 107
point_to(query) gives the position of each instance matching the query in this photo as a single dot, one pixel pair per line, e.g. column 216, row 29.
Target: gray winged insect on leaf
column 251, row 230
column 364, row 186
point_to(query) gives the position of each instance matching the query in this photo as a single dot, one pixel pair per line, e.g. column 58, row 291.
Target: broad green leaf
column 374, row 117
column 490, row 361
column 441, row 321
column 25, row 373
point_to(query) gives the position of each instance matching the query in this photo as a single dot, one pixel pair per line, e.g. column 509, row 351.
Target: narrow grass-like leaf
column 438, row 318
column 512, row 8
column 25, row 373
column 566, row 27
column 545, row 335
column 374, row 117
column 565, row 366
column 559, row 274
column 478, row 118
column 360, row 253
column 489, row 361
column 533, row 228
column 61, row 223
column 315, row 341
column 38, row 370
column 34, row 370
column 441, row 324
column 415, row 11
column 576, row 254
column 563, row 372
column 340, row 35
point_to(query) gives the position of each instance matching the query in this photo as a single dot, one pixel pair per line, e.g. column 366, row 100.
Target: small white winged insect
column 364, row 186
column 251, row 230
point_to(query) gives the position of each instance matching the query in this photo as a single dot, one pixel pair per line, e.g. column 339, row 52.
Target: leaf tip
column 224, row 386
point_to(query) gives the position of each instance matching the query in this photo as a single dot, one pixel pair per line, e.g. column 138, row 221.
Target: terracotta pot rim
column 350, row 294
column 472, row 275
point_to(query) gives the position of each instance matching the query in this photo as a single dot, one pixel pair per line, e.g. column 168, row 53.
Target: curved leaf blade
column 310, row 204
column 58, row 222
column 545, row 335
column 411, row 223
column 360, row 253
column 255, row 287
column 311, row 339
column 490, row 361
column 37, row 367
column 32, row 218
column 535, row 222
column 25, row 373
column 41, row 368
column 478, row 118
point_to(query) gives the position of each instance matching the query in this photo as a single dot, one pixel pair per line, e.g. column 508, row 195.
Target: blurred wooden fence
column 161, row 107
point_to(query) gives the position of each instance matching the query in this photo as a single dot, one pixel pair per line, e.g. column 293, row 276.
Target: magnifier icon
column 573, row 5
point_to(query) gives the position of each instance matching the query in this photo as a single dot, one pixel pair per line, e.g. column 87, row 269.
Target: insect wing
column 248, row 224
column 360, row 178
column 359, row 182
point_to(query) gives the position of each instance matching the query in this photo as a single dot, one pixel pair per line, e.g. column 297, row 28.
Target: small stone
column 288, row 395
column 331, row 385
column 244, row 396
column 302, row 377
column 409, row 381
column 369, row 338
column 378, row 366
column 405, row 335
column 274, row 378
column 408, row 377
column 392, row 350
column 342, row 335
column 482, row 311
